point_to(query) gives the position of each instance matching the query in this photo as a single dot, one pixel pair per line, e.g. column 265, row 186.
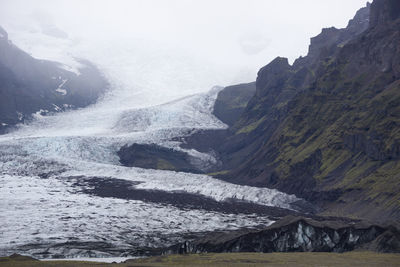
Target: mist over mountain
column 147, row 128
column 31, row 86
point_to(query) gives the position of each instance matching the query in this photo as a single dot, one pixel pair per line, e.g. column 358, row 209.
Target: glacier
column 156, row 94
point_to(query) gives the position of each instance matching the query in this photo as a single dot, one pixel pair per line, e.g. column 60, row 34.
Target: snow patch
column 60, row 89
column 71, row 69
column 45, row 47
column 56, row 108
column 67, row 106
column 40, row 113
column 20, row 116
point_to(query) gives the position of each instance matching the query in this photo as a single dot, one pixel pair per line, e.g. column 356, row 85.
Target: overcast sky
column 238, row 32
column 253, row 25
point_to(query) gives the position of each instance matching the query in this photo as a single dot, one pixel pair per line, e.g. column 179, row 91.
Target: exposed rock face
column 330, row 40
column 277, row 83
column 384, row 12
column 327, row 128
column 232, row 101
column 156, row 157
column 372, row 146
column 29, row 85
column 273, row 76
column 296, row 234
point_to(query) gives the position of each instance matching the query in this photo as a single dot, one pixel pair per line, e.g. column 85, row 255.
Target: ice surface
column 40, row 208
column 107, row 260
column 37, row 211
column 157, row 94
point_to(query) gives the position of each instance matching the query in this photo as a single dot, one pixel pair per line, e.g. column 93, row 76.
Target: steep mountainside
column 278, row 83
column 232, row 101
column 328, row 127
column 29, row 85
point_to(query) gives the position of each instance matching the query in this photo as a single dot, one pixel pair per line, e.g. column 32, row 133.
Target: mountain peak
column 360, row 21
column 3, row 34
column 330, row 39
column 278, row 64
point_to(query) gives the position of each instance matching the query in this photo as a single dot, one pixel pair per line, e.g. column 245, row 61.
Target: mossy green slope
column 337, row 141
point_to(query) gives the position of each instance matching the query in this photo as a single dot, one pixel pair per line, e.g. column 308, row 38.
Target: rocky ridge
column 31, row 85
column 326, row 128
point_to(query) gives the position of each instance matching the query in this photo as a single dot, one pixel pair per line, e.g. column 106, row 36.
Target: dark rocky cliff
column 330, row 40
column 298, row 234
column 232, row 101
column 327, row 128
column 30, row 85
column 152, row 156
column 277, row 83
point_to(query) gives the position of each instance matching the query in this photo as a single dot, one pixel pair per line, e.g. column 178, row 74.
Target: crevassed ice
column 151, row 101
column 95, row 155
column 36, row 213
column 46, row 211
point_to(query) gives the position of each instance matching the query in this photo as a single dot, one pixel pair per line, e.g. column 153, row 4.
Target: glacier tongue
column 41, row 210
column 45, row 207
column 45, row 212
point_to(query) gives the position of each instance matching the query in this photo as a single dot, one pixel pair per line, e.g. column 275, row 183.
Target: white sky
column 237, row 32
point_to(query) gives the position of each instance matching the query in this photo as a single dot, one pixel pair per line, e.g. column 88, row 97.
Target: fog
column 237, row 36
